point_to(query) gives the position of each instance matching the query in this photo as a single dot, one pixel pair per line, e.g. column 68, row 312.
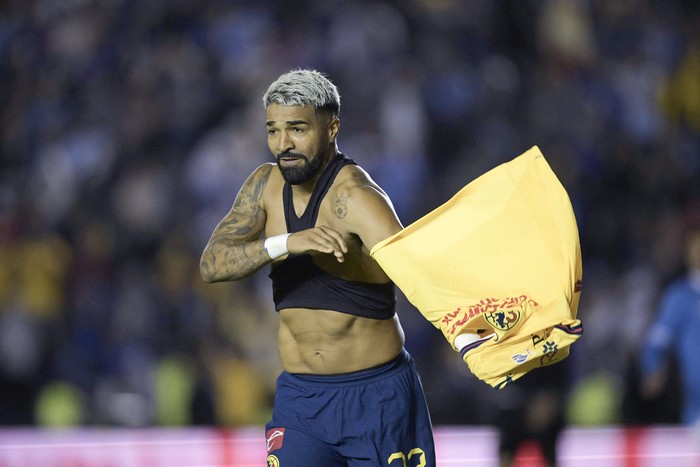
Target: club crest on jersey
column 275, row 438
column 273, row 461
column 503, row 320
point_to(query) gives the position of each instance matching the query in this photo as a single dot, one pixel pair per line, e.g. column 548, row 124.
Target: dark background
column 127, row 128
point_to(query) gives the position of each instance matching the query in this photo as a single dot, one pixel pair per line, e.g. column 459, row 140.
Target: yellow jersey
column 497, row 269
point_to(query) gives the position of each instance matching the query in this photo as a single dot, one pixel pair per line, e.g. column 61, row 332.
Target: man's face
column 300, row 139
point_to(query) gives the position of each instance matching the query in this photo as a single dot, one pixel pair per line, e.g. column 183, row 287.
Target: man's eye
column 297, row 130
column 271, row 131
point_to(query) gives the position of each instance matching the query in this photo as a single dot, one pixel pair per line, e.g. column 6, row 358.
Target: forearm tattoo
column 234, row 250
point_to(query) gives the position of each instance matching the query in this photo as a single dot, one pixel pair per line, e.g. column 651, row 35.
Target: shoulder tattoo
column 341, row 204
column 252, row 191
column 247, row 213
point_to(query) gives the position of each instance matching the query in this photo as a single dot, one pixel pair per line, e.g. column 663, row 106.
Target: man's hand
column 318, row 240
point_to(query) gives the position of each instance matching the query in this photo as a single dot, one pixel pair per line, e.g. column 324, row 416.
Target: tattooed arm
column 366, row 209
column 235, row 249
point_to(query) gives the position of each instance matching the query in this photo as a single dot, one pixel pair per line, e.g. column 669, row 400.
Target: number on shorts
column 416, row 452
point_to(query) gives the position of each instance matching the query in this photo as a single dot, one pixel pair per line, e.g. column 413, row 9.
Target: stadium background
column 127, row 127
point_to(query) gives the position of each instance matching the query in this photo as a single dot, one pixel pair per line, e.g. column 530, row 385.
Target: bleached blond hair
column 304, row 87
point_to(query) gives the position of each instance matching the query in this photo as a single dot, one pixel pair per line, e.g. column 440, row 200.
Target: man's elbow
column 206, row 271
column 210, row 275
column 206, row 276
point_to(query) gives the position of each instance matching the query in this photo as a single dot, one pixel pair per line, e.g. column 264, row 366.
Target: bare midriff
column 325, row 342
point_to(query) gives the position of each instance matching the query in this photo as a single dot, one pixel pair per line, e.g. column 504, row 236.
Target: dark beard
column 304, row 172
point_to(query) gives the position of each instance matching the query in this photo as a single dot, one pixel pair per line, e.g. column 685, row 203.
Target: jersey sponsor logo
column 549, row 347
column 546, row 345
column 275, row 438
column 520, row 358
column 501, row 313
column 273, row 461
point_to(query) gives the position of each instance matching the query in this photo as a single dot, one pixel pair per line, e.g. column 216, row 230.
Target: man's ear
column 333, row 128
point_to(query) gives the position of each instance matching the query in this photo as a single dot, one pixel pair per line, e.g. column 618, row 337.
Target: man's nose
column 285, row 143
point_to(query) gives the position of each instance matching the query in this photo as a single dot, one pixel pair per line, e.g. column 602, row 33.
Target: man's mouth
column 290, row 159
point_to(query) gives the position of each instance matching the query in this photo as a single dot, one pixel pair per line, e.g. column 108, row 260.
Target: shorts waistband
column 359, row 375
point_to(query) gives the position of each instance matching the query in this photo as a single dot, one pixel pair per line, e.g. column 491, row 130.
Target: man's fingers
column 339, row 240
column 319, row 239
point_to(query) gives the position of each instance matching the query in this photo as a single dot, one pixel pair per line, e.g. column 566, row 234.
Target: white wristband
column 277, row 246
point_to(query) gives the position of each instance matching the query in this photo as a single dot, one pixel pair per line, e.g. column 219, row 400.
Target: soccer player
column 350, row 394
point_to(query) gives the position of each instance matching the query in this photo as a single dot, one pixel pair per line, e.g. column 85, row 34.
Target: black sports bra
column 298, row 283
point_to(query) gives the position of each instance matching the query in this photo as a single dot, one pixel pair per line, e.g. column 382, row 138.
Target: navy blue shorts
column 369, row 418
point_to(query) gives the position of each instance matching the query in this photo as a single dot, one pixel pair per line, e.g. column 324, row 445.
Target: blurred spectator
column 675, row 333
column 680, row 96
column 532, row 410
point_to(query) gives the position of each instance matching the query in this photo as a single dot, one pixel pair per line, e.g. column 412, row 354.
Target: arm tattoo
column 341, row 204
column 234, row 250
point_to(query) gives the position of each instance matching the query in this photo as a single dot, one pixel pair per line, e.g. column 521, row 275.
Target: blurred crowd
column 127, row 127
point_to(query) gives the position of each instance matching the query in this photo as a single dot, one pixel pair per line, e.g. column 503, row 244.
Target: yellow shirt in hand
column 497, row 269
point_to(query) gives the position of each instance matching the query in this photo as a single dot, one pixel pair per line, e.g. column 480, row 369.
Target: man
column 676, row 330
column 532, row 410
column 349, row 394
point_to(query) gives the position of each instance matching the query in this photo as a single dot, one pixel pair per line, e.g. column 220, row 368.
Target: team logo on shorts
column 275, row 438
column 273, row 461
column 503, row 320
